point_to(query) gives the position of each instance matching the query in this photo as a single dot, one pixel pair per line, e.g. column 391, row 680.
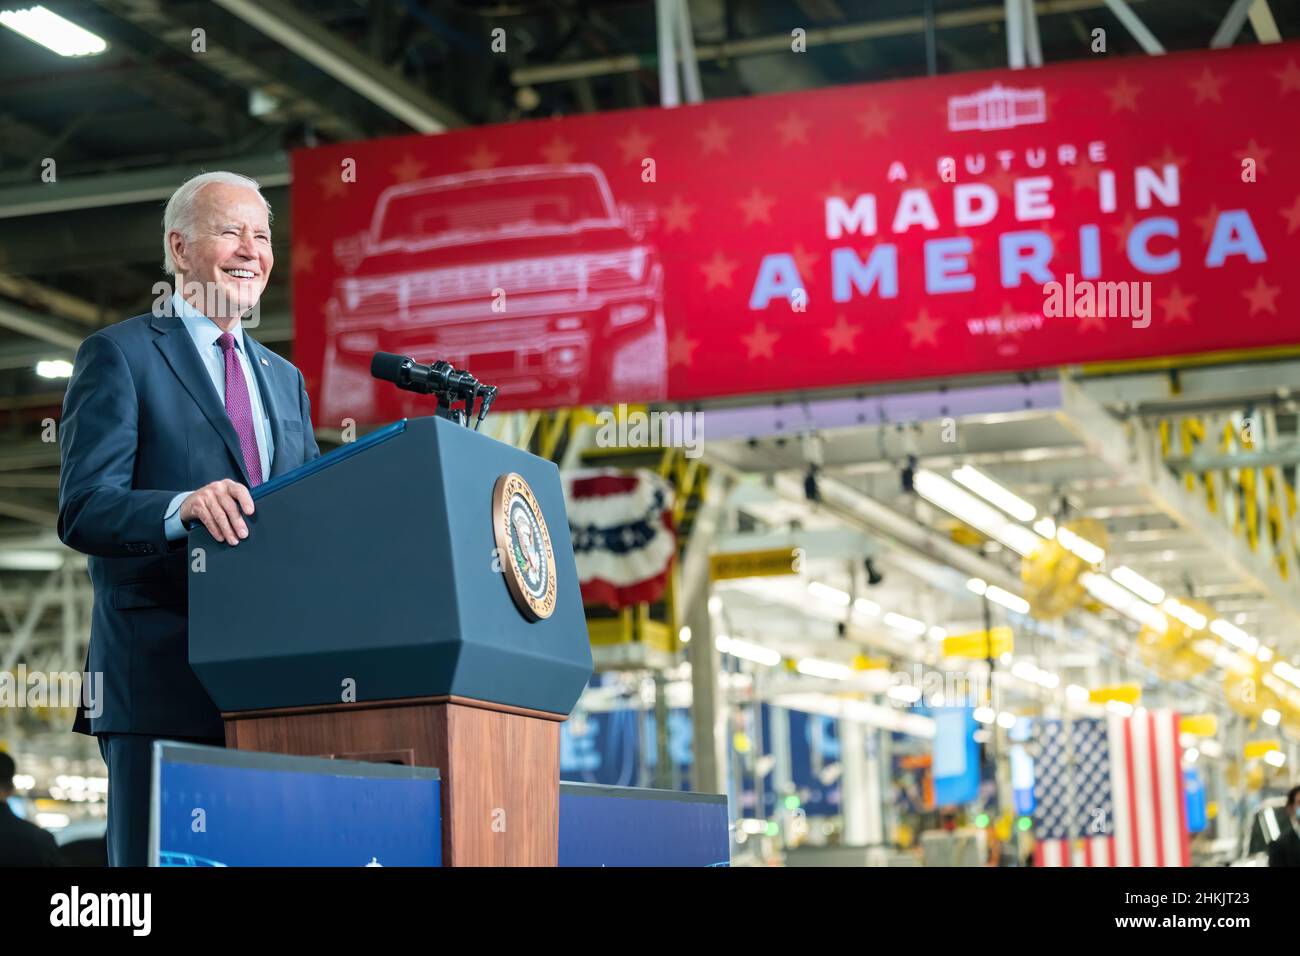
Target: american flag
column 1108, row 791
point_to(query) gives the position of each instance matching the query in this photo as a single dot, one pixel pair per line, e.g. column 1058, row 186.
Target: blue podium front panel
column 217, row 807
column 629, row 826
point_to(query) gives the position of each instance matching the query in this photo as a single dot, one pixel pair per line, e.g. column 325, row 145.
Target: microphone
column 408, row 374
column 441, row 379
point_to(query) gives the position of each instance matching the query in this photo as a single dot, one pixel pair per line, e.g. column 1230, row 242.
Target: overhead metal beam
column 1262, row 22
column 1231, row 26
column 1288, row 454
column 147, row 185
column 1145, row 38
column 47, row 328
column 361, row 74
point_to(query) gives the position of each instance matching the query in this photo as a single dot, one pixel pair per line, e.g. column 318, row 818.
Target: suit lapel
column 178, row 349
column 264, row 384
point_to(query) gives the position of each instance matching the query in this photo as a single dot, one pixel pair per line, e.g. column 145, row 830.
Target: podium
column 398, row 601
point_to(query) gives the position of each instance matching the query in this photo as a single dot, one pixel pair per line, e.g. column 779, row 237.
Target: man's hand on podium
column 218, row 506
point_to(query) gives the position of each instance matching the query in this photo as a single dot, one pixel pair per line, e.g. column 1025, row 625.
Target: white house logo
column 525, row 544
column 998, row 107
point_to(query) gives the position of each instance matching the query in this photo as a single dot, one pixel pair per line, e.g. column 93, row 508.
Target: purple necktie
column 240, row 409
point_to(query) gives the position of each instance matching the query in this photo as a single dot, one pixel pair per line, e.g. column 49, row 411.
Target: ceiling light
column 1081, row 546
column 909, row 624
column 1234, row 635
column 937, row 633
column 1008, row 600
column 828, row 669
column 1191, row 755
column 1138, row 584
column 54, row 368
column 53, row 31
column 943, row 493
column 1275, row 758
column 1189, row 616
column 747, row 651
column 828, row 593
column 1006, row 720
column 1077, row 694
column 1271, row 717
column 1046, row 527
column 986, row 487
column 1108, row 592
column 905, row 693
column 976, row 585
column 985, row 715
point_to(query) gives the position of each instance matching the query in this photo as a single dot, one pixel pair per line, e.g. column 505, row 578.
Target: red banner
column 1102, row 209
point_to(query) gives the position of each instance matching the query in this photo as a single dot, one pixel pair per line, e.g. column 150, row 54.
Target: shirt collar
column 203, row 330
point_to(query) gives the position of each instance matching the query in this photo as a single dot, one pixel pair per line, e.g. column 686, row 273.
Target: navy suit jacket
column 142, row 423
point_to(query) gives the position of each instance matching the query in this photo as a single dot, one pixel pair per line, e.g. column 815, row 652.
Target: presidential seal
column 524, row 546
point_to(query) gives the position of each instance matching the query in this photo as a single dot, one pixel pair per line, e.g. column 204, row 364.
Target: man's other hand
column 218, row 506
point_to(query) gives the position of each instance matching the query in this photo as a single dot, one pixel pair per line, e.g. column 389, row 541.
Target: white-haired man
column 169, row 419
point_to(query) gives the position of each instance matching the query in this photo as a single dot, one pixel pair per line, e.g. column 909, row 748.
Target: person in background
column 1285, row 850
column 21, row 843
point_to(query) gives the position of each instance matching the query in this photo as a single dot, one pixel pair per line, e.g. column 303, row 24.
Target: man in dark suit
column 21, row 843
column 1285, row 850
column 169, row 419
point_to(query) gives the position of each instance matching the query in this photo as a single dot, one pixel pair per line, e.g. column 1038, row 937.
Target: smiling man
column 169, row 420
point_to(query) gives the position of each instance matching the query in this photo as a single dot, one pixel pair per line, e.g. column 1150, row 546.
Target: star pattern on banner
column 757, row 206
column 713, row 138
column 1292, row 216
column 1206, row 87
column 718, row 270
column 837, row 189
column 1177, row 306
column 1207, row 223
column 1083, row 176
column 1288, row 78
column 1123, row 95
column 331, row 184
column 793, row 129
column 301, row 257
column 760, row 342
column 1262, row 297
column 408, row 169
column 634, row 145
column 1121, row 230
column 804, row 260
column 681, row 349
column 1256, row 152
column 558, row 151
column 923, row 329
column 841, row 336
column 677, row 215
column 1002, row 181
column 874, row 121
column 1166, row 158
column 1095, row 321
column 482, row 158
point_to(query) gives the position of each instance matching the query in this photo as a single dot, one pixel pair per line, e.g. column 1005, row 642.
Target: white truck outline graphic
column 531, row 277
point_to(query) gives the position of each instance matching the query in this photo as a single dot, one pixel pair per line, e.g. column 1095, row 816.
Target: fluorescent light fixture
column 1049, row 680
column 1076, row 544
column 31, row 559
column 1077, row 693
column 54, row 368
column 863, row 606
column 1013, row 602
column 1275, row 758
column 1189, row 616
column 53, row 32
column 1108, row 592
column 1191, row 755
column 684, row 635
column 715, row 605
column 985, row 715
column 1138, row 584
column 905, row 693
column 1025, row 671
column 747, row 651
column 909, row 624
column 1271, row 717
column 1046, row 527
column 976, row 586
column 57, row 821
column 1264, row 654
column 753, row 826
column 1288, row 673
column 965, row 506
column 937, row 633
column 1006, row 720
column 987, row 488
column 828, row 593
column 1119, row 707
column 818, row 668
column 1234, row 635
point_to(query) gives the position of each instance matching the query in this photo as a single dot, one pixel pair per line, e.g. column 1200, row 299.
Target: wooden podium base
column 500, row 765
